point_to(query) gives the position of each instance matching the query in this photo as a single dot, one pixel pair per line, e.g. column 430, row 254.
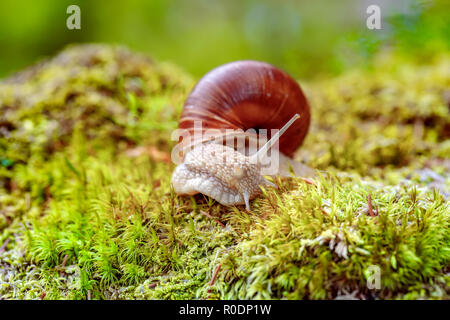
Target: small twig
column 63, row 265
column 152, row 285
column 157, row 184
column 47, row 193
column 64, row 261
column 324, row 212
column 42, row 296
column 213, row 279
column 3, row 247
column 47, row 199
column 369, row 201
column 89, row 295
column 309, row 182
column 211, row 217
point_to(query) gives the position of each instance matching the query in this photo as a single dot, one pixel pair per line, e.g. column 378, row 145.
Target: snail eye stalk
column 261, row 152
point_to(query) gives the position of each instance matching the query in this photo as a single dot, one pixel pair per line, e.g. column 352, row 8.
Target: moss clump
column 393, row 116
column 322, row 241
column 87, row 210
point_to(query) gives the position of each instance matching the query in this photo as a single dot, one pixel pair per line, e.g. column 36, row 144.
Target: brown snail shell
column 249, row 94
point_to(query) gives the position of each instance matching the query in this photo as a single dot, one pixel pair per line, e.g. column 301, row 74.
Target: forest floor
column 87, row 210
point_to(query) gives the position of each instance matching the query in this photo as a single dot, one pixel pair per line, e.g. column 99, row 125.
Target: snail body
column 241, row 95
column 228, row 184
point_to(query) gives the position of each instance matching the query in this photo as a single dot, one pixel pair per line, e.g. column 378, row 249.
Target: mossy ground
column 87, row 211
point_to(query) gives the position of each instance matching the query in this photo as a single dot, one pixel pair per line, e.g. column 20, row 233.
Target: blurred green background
column 306, row 38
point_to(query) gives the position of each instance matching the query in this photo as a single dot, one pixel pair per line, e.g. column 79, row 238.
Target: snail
column 239, row 100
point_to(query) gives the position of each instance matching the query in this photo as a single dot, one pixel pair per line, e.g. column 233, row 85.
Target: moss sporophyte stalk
column 87, row 210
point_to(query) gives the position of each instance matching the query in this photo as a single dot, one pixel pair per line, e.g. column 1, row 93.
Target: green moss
column 323, row 239
column 87, row 212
